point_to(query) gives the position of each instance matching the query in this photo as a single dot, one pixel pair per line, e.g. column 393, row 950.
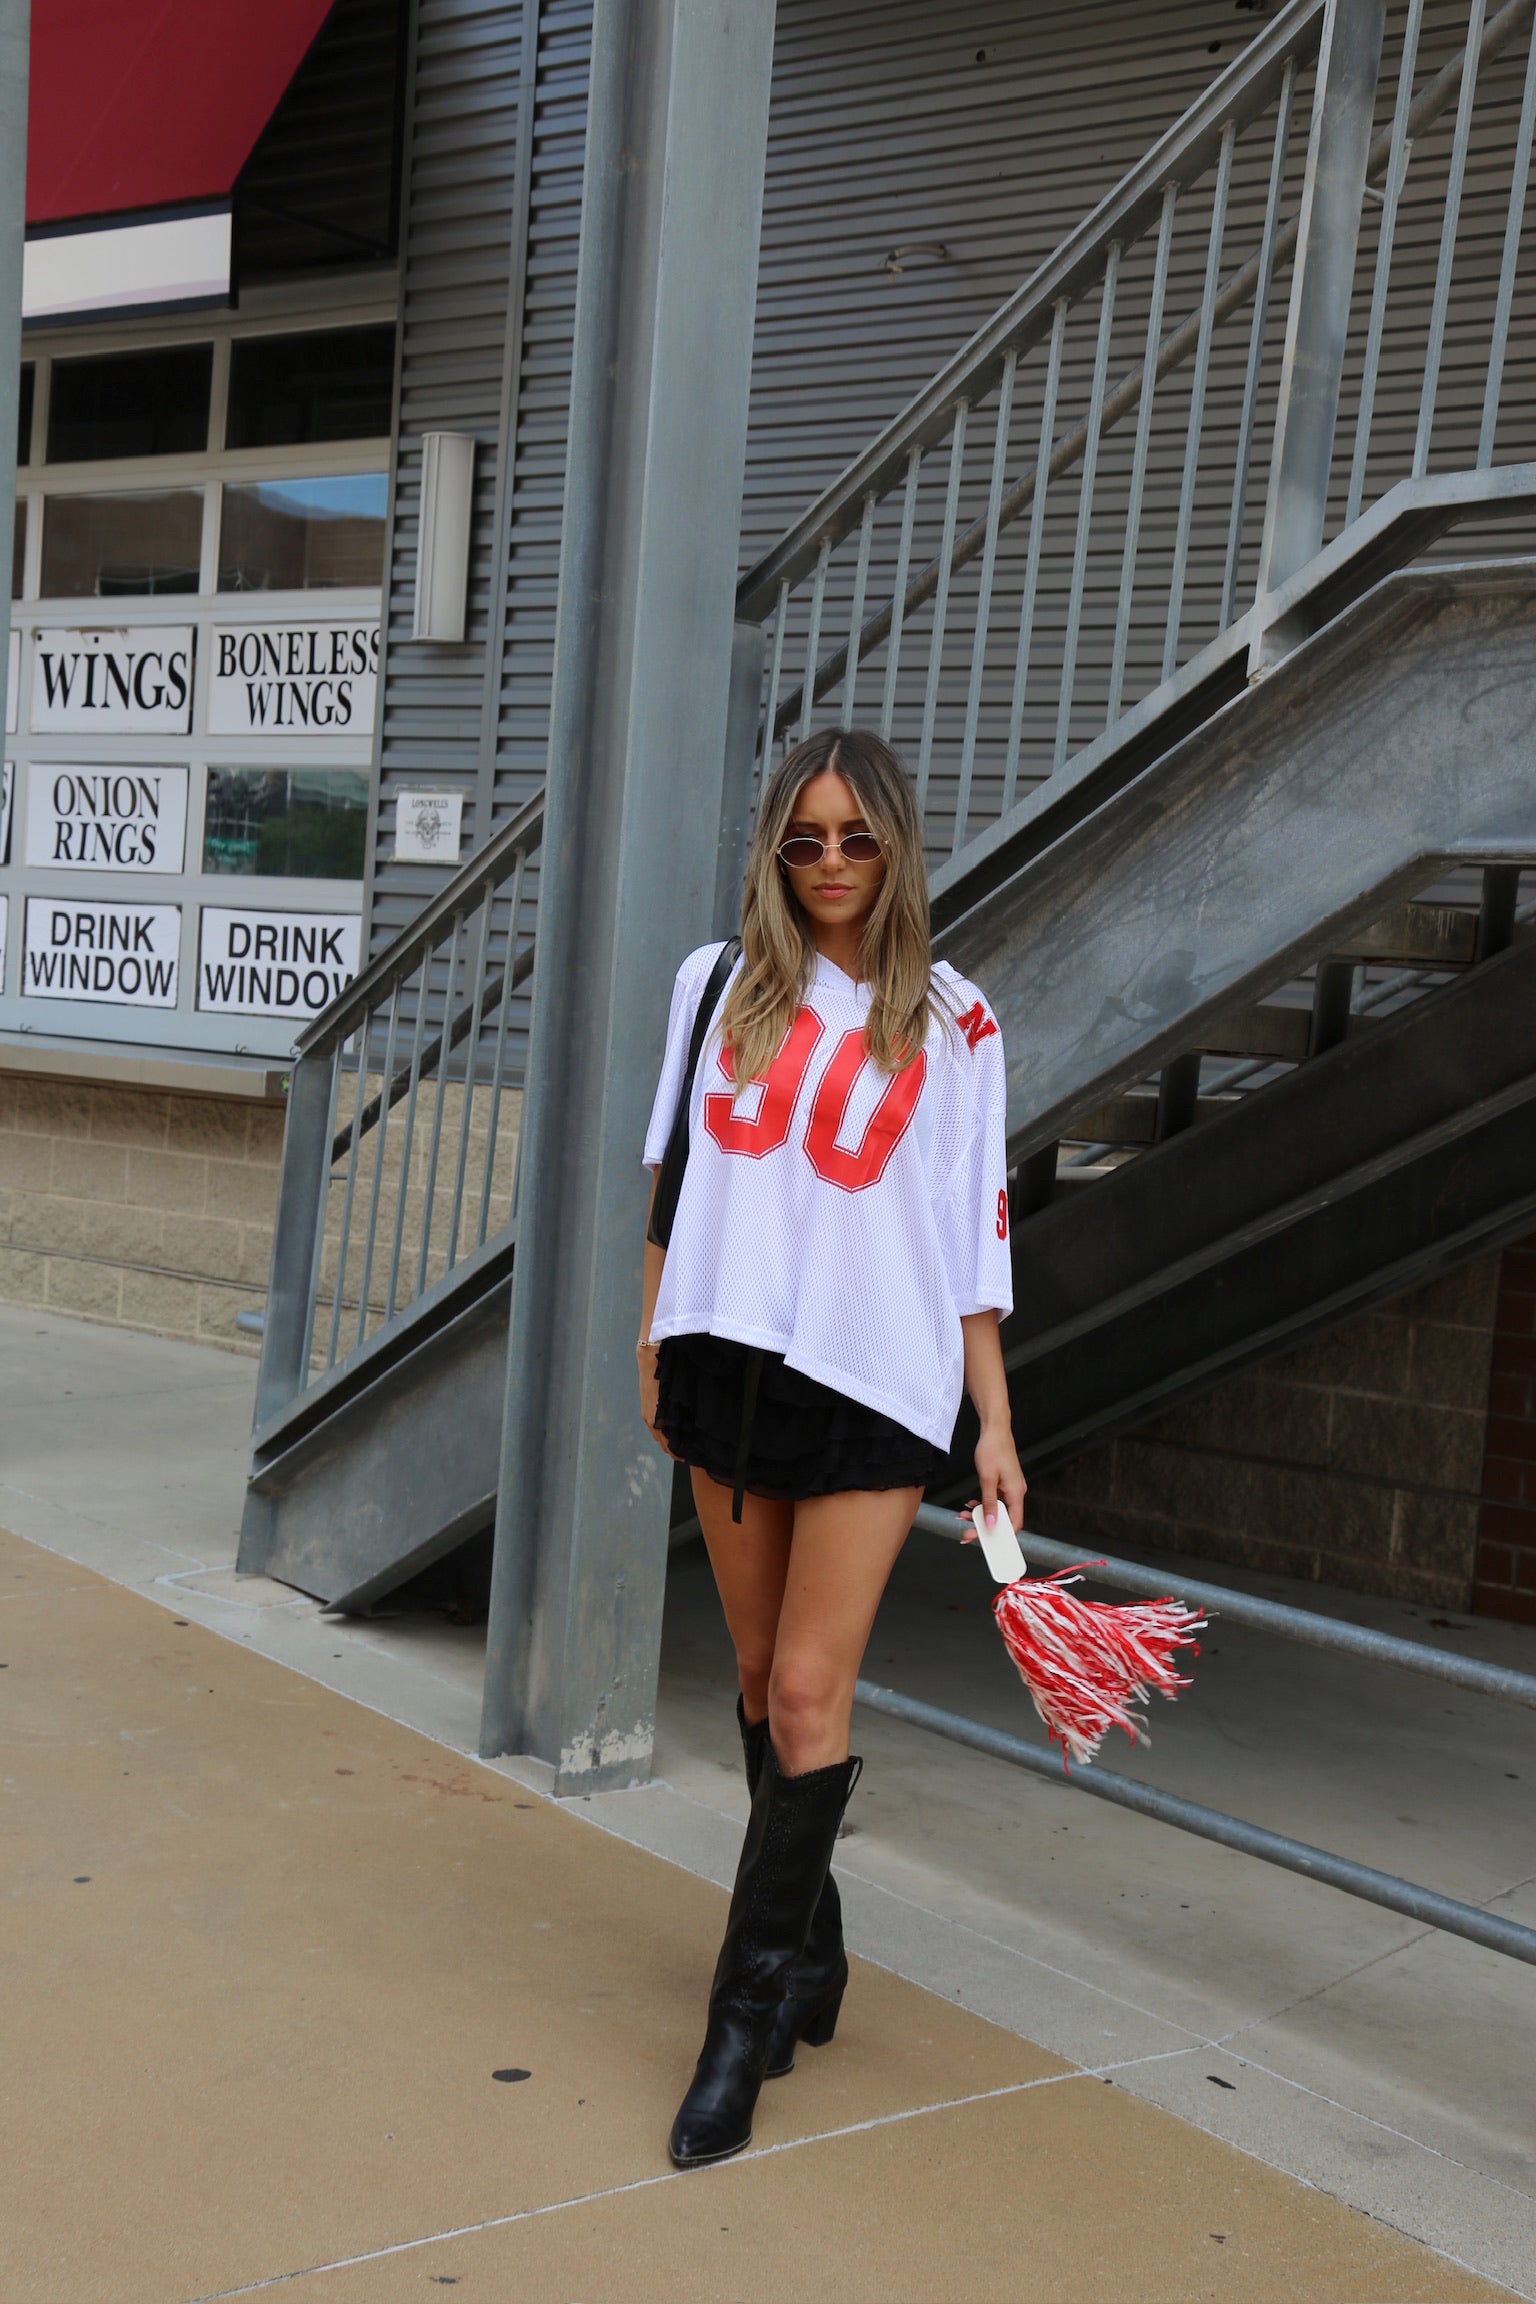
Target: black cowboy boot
column 783, row 1869
column 814, row 1993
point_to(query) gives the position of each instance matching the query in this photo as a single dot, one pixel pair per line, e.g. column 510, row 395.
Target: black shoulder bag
column 669, row 1176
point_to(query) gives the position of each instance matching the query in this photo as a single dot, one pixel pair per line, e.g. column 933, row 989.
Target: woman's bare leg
column 840, row 1559
column 750, row 1560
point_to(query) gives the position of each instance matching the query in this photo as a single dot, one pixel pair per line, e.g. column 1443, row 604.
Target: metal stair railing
column 1473, row 1921
column 1125, row 456
column 380, row 1225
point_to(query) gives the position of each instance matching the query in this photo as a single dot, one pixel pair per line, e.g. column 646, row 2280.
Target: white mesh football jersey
column 840, row 1215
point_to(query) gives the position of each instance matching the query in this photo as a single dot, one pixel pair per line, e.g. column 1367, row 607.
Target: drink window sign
column 300, row 679
column 124, row 954
column 131, row 682
column 106, row 819
column 274, row 963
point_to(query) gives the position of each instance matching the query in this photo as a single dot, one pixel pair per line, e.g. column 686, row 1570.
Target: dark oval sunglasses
column 802, row 849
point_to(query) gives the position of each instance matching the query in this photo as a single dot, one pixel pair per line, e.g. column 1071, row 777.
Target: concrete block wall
column 1356, row 1460
column 1506, row 1554
column 137, row 1207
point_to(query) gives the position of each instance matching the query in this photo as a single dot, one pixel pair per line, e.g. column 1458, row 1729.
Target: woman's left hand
column 1001, row 1476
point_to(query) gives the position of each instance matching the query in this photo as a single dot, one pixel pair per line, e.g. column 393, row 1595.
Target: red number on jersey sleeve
column 757, row 1137
column 1002, row 1214
column 887, row 1124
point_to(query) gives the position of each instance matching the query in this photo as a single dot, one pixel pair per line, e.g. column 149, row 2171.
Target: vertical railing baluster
column 1085, row 507
column 1032, row 554
column 1514, row 221
column 813, row 637
column 503, row 1012
column 1391, row 194
column 438, row 1101
column 317, row 1261
column 408, row 1132
column 856, row 619
column 1440, row 310
column 941, row 603
column 482, row 941
column 1237, row 517
column 775, row 674
column 1197, row 401
column 378, row 1161
column 353, row 1150
column 1142, row 449
column 984, row 600
column 899, row 593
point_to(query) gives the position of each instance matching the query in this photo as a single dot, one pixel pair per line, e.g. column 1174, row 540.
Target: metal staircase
column 1224, row 767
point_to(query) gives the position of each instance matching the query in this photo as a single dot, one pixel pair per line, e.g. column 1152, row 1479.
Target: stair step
column 1416, row 936
column 1133, row 1119
column 1279, row 1033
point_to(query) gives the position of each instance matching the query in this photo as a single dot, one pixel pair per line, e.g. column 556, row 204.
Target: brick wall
column 137, row 1207
column 1506, row 1551
column 1355, row 1460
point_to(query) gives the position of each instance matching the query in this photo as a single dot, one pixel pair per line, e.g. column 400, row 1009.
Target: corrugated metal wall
column 983, row 128
column 923, row 159
column 494, row 112
column 973, row 136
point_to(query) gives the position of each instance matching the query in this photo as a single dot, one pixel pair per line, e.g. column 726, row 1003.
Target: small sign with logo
column 123, row 953
column 107, row 819
column 428, row 827
column 103, row 683
column 275, row 963
column 300, row 680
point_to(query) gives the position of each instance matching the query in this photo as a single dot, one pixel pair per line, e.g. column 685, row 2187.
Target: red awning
column 153, row 103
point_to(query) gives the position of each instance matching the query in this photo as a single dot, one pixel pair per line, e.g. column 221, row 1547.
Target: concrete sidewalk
column 291, row 1959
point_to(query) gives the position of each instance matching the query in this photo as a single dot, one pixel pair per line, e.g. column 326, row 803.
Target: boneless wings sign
column 293, row 679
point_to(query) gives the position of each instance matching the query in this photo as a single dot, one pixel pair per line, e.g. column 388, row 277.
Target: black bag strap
column 669, row 1176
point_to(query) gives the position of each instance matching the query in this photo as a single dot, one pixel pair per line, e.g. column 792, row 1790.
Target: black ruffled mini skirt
column 758, row 1427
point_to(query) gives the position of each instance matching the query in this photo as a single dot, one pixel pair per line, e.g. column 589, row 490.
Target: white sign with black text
column 428, row 827
column 107, row 819
column 275, row 963
column 123, row 953
column 293, row 679
column 135, row 682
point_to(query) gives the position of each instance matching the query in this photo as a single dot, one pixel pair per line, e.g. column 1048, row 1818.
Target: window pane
column 297, row 824
column 110, row 546
column 24, row 413
column 130, row 404
column 285, row 391
column 303, row 535
column 18, row 548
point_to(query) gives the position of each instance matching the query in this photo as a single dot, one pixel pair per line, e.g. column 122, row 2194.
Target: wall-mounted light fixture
column 442, row 552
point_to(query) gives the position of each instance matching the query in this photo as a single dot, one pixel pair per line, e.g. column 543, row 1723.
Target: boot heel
column 823, row 2024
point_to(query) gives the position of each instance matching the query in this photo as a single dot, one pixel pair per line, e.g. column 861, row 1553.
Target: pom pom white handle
column 999, row 1543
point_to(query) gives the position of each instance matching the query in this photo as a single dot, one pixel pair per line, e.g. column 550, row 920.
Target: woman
column 837, row 1264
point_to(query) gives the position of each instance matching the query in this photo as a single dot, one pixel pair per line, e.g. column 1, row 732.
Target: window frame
column 317, row 306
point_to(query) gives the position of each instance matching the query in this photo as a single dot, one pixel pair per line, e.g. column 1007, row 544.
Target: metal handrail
column 443, row 990
column 890, row 471
column 488, row 867
column 1180, row 156
column 1388, row 1889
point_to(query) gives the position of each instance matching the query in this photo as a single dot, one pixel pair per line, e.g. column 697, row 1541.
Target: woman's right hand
column 646, row 1356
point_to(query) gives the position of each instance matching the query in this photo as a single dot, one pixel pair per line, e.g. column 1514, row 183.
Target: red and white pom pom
column 1087, row 1664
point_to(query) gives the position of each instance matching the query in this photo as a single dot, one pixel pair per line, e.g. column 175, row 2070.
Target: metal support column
column 672, row 200
column 15, row 25
column 1322, row 287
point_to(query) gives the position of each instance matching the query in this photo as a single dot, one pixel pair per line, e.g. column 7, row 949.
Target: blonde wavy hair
column 778, row 954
